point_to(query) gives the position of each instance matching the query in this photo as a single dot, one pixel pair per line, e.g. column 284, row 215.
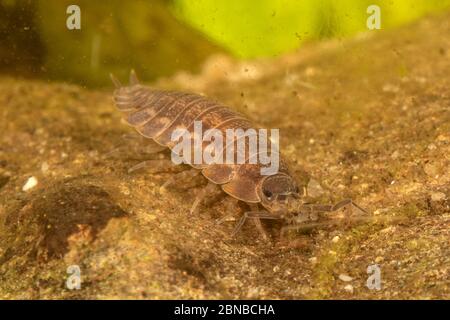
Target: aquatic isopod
column 155, row 114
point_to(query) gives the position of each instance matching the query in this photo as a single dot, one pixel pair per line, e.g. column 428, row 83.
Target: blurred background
column 161, row 37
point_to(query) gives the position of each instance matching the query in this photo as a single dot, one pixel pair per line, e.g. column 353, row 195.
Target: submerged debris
column 30, row 184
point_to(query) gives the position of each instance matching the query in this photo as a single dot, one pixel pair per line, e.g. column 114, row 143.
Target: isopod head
column 279, row 194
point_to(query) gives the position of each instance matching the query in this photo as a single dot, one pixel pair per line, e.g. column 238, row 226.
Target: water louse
column 156, row 113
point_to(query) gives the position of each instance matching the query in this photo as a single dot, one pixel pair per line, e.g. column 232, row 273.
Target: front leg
column 256, row 216
column 258, row 224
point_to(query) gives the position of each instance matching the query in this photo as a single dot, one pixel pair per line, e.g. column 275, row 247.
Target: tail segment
column 133, row 78
column 116, row 81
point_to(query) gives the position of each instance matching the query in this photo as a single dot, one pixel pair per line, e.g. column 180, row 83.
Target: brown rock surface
column 367, row 118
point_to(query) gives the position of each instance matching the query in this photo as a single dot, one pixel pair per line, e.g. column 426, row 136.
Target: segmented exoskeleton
column 155, row 114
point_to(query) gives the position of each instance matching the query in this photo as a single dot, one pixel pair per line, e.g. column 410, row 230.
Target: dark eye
column 268, row 194
column 297, row 190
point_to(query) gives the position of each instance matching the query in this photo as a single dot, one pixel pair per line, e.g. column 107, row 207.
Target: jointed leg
column 346, row 203
column 206, row 191
column 158, row 165
column 134, row 142
column 254, row 215
column 256, row 219
column 312, row 211
column 258, row 224
column 231, row 207
column 183, row 175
